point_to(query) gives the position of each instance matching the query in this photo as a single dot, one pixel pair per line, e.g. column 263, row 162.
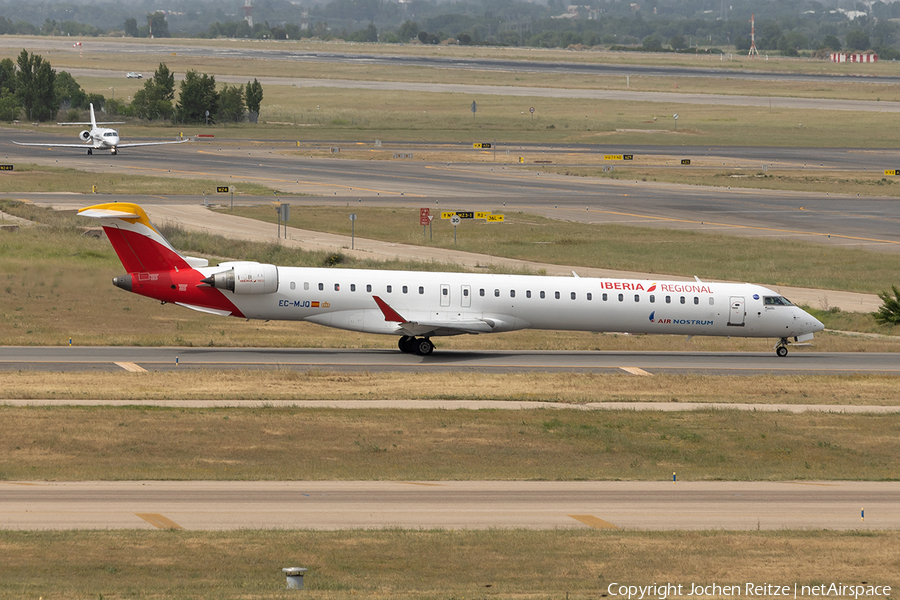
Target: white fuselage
column 104, row 139
column 493, row 303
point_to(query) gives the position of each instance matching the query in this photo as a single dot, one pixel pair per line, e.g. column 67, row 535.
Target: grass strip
column 29, row 178
column 247, row 444
column 518, row 564
column 287, row 384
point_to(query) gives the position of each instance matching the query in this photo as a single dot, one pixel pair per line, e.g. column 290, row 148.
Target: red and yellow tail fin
column 140, row 245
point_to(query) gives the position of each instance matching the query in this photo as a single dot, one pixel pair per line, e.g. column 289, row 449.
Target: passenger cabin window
column 543, row 295
column 496, row 293
column 352, row 287
column 405, row 290
column 421, row 290
column 712, row 300
column 652, row 298
column 573, row 295
column 590, row 296
column 337, row 287
column 321, row 287
column 682, row 299
column 293, row 285
column 528, row 293
column 368, row 287
column 621, row 297
column 512, row 293
column 445, row 291
column 668, row 299
column 637, row 298
column 481, row 292
column 556, row 295
column 390, row 288
column 306, row 285
column 465, row 292
column 605, row 296
column 696, row 300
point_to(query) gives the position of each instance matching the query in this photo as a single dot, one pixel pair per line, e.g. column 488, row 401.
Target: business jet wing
column 81, row 145
column 425, row 327
column 152, row 143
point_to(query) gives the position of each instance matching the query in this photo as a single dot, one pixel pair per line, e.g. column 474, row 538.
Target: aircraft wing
column 81, row 145
column 152, row 143
column 424, row 327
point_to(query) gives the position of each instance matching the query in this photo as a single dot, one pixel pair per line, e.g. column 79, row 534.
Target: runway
column 122, row 359
column 327, row 505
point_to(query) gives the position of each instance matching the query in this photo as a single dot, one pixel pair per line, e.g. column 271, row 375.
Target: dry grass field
column 288, row 443
column 431, row 565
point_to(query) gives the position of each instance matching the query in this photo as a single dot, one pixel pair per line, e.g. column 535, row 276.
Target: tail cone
column 123, row 281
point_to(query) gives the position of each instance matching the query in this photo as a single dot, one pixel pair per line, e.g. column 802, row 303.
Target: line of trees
column 32, row 86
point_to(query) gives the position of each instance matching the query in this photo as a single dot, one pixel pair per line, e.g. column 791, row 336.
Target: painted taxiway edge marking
column 636, row 371
column 592, row 521
column 158, row 521
column 131, row 367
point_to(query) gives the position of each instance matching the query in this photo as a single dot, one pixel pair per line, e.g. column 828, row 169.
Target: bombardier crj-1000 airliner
column 417, row 306
column 100, row 138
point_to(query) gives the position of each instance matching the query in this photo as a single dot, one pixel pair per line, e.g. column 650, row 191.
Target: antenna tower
column 248, row 13
column 752, row 36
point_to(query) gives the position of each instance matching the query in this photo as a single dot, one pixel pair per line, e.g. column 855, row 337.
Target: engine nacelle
column 85, row 135
column 246, row 278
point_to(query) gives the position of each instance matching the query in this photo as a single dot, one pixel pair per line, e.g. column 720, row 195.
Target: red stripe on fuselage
column 181, row 286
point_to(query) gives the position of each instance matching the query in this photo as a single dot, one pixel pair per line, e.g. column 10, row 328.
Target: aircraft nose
column 811, row 324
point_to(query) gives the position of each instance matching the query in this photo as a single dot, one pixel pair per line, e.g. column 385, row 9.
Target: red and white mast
column 752, row 36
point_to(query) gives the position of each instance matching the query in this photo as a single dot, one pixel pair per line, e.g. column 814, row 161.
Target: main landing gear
column 90, row 151
column 411, row 345
column 781, row 347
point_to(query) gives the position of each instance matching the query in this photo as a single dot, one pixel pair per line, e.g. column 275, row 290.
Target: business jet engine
column 245, row 278
column 85, row 135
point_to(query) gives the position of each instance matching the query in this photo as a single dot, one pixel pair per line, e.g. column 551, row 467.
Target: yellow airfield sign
column 494, row 218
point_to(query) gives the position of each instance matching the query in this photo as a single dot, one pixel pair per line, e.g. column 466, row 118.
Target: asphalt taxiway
column 326, row 505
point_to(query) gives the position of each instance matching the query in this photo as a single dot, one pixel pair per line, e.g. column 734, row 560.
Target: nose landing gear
column 781, row 347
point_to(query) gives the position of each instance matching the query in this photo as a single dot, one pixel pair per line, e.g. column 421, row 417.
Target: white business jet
column 416, row 306
column 101, row 138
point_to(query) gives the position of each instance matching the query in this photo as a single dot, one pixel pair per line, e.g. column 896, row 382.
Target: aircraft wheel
column 114, row 151
column 424, row 347
column 781, row 351
column 405, row 343
column 90, row 151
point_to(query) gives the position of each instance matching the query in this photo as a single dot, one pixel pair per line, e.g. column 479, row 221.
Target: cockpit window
column 109, row 134
column 776, row 301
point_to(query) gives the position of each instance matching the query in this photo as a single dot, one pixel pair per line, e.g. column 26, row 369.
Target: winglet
column 389, row 313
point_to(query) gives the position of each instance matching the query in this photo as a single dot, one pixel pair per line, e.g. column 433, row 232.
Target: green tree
column 198, row 95
column 889, row 312
column 164, row 82
column 408, row 31
column 857, row 40
column 253, row 94
column 7, row 76
column 131, row 28
column 154, row 100
column 831, row 42
column 34, row 86
column 68, row 90
column 677, row 42
column 231, row 103
column 159, row 27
